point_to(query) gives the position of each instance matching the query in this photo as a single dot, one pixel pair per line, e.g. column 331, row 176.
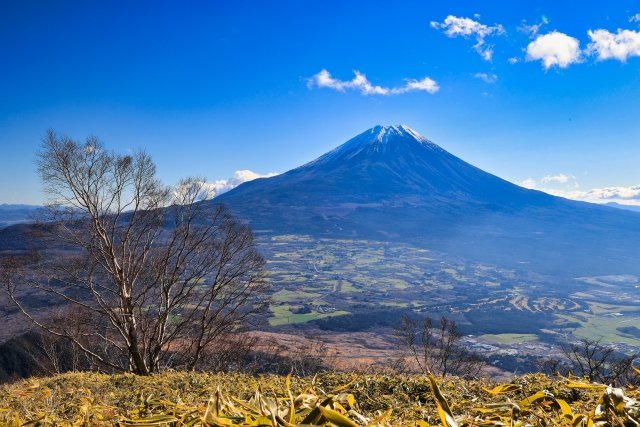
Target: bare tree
column 597, row 362
column 437, row 349
column 551, row 366
column 156, row 277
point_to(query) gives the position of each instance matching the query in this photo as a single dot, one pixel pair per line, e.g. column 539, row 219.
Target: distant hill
column 632, row 208
column 390, row 183
column 14, row 214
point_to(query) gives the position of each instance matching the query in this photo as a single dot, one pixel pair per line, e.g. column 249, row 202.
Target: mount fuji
column 391, row 183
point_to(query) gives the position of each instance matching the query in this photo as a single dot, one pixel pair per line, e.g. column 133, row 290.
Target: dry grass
column 202, row 399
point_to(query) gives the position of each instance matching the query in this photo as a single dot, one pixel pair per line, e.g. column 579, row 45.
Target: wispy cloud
column 532, row 30
column 563, row 180
column 528, row 183
column 554, row 49
column 361, row 84
column 486, row 77
column 454, row 26
column 620, row 46
column 560, row 178
column 635, row 18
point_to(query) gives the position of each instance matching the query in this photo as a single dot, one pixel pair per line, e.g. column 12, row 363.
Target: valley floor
column 513, row 317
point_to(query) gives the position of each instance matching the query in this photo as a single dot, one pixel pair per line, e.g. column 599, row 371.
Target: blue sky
column 541, row 93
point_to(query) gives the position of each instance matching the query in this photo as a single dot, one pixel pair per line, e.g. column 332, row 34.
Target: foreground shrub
column 201, row 399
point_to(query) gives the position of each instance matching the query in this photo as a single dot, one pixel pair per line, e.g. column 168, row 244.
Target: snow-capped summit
column 391, row 141
column 386, row 163
column 382, row 135
column 385, row 133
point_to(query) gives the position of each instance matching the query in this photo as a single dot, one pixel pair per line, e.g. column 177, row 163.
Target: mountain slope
column 391, row 183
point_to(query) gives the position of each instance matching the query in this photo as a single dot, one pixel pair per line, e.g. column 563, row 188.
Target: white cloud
column 554, row 48
column 560, row 178
column 215, row 188
column 454, row 26
column 617, row 193
column 566, row 185
column 486, row 77
column 635, row 18
column 620, row 46
column 360, row 83
column 513, row 60
column 242, row 176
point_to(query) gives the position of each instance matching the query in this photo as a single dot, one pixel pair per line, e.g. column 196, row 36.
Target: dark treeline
column 374, row 319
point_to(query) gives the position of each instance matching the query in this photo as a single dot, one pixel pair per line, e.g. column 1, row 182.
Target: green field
column 314, row 278
column 603, row 327
column 509, row 338
column 283, row 316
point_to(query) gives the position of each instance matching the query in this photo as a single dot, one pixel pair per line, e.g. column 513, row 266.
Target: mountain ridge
column 11, row 214
column 391, row 183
